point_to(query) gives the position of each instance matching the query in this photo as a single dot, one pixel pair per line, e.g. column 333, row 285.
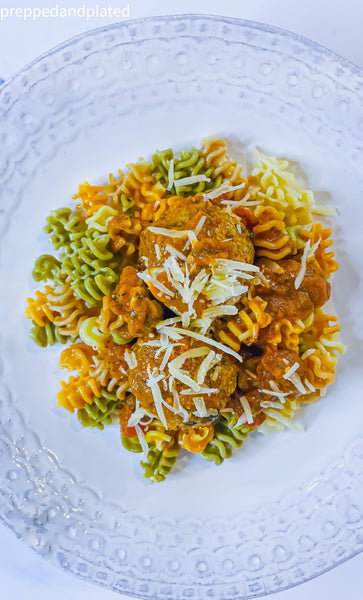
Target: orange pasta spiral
column 216, row 155
column 269, row 235
column 124, row 234
column 323, row 260
column 77, row 357
column 38, row 308
column 78, row 391
column 320, row 368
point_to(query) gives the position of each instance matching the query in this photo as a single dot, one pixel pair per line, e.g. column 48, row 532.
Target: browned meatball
column 207, row 233
column 258, row 372
column 283, row 300
column 173, row 382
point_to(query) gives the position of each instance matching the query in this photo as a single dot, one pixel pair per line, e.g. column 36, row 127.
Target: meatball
column 181, row 382
column 179, row 264
column 258, row 372
column 283, row 300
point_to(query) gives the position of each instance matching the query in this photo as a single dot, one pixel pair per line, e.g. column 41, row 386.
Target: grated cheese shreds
column 172, row 233
column 176, row 402
column 167, row 355
column 291, row 370
column 309, row 385
column 313, row 248
column 161, row 287
column 307, row 353
column 142, row 441
column 241, row 421
column 190, row 180
column 225, row 188
column 201, row 390
column 324, row 210
column 202, row 338
column 170, row 175
column 169, row 322
column 130, row 358
column 301, row 274
column 206, row 364
column 158, row 401
column 200, row 224
column 192, row 353
column 235, row 265
column 184, row 378
column 246, row 408
column 277, row 416
column 201, row 410
column 296, row 381
column 220, row 311
column 157, row 251
column 174, row 252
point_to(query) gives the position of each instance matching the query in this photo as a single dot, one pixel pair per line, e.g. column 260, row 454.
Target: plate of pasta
column 182, row 278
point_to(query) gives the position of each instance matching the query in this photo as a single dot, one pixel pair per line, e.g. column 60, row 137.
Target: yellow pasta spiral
column 245, row 327
column 100, row 370
column 158, row 436
column 277, row 186
column 69, row 311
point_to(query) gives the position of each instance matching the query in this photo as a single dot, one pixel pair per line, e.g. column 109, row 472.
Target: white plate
column 285, row 507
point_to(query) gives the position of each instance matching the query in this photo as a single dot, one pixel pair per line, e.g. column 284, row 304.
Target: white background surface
column 336, row 24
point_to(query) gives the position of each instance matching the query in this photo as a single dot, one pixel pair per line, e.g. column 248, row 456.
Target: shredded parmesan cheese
column 241, row 421
column 307, row 353
column 292, row 370
column 309, row 385
column 130, row 358
column 142, row 441
column 201, row 410
column 202, row 338
column 190, row 180
column 170, row 175
column 225, row 188
column 214, row 311
column 234, row 265
column 205, row 366
column 200, row 224
column 246, row 408
column 174, row 252
column 301, row 274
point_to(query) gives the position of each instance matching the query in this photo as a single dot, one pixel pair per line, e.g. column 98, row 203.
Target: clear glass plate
column 286, row 507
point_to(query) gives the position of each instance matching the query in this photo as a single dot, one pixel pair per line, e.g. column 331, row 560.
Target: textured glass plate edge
column 192, row 17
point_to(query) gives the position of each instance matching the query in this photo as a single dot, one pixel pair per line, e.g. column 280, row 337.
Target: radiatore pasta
column 190, row 296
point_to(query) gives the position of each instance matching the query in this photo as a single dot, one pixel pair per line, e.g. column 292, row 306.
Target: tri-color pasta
column 191, row 298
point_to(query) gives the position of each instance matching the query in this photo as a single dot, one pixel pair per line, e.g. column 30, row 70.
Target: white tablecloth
column 336, row 24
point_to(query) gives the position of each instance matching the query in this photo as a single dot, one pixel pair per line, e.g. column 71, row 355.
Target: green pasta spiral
column 101, row 412
column 131, row 444
column 189, row 164
column 47, row 268
column 64, row 226
column 160, row 462
column 85, row 257
column 92, row 267
column 294, row 233
column 226, row 439
column 47, row 335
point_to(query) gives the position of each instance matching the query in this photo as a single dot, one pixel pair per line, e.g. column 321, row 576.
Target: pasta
column 190, row 299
